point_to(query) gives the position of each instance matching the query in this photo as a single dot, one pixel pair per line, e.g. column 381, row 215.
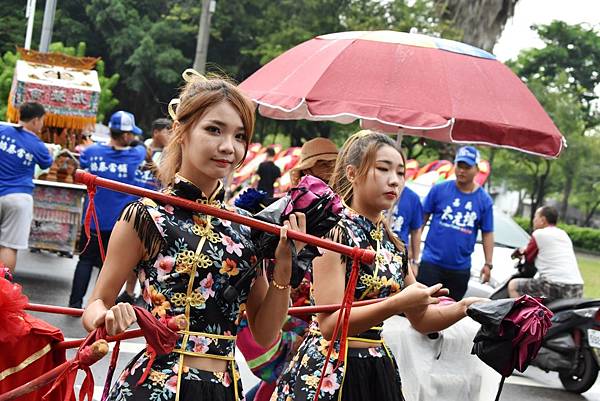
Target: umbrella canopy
column 405, row 83
column 511, row 332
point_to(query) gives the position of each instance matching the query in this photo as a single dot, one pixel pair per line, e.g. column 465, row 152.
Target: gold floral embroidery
column 377, row 234
column 213, row 237
column 380, row 259
column 185, row 261
column 194, row 299
column 204, row 261
column 203, row 228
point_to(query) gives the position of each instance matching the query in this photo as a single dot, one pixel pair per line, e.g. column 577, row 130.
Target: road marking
column 527, row 381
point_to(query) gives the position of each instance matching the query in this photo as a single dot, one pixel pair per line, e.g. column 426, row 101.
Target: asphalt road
column 46, row 279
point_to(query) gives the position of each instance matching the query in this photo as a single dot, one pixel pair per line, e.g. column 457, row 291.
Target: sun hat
column 314, row 150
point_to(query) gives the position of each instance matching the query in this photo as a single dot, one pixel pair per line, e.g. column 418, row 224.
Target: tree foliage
column 563, row 76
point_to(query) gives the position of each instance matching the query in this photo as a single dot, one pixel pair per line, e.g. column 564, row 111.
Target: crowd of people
column 185, row 260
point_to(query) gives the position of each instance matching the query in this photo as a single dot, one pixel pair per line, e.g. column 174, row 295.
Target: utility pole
column 47, row 25
column 208, row 8
column 30, row 15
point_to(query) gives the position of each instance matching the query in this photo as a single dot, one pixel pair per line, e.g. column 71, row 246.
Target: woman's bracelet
column 279, row 286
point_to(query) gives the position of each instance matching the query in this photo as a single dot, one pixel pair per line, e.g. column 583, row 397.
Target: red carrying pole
column 294, row 311
column 91, row 180
column 54, row 309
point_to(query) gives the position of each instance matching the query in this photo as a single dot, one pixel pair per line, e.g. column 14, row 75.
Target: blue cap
column 124, row 122
column 467, row 154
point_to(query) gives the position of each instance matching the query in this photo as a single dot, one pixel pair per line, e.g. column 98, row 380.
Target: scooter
column 571, row 346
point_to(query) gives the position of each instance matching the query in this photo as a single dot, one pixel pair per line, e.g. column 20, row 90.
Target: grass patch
column 590, row 270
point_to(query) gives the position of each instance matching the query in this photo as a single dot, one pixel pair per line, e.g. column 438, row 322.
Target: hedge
column 584, row 238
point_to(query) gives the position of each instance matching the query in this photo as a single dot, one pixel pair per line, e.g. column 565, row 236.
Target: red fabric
column 12, row 313
column 531, row 251
column 40, row 335
column 158, row 336
column 390, row 84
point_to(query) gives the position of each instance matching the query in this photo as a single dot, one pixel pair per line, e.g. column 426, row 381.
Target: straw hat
column 314, row 150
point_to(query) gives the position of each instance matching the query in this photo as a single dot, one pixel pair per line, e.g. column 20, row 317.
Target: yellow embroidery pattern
column 195, row 299
column 185, row 261
column 204, row 261
column 377, row 234
column 204, row 229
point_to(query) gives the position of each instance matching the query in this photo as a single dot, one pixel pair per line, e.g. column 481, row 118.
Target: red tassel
column 148, row 367
column 343, row 321
column 89, row 214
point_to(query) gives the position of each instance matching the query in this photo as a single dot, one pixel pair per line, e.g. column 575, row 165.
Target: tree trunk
column 588, row 217
column 564, row 207
column 481, row 21
column 539, row 192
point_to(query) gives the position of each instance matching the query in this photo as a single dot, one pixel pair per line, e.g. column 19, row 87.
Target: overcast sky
column 517, row 35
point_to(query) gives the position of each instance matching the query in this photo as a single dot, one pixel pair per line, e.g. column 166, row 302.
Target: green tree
column 563, row 75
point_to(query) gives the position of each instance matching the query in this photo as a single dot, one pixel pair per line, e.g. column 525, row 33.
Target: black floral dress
column 196, row 258
column 367, row 373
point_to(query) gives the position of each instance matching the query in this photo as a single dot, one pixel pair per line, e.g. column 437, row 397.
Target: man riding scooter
column 571, row 346
column 551, row 251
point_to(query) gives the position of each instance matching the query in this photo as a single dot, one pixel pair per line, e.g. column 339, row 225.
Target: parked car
column 508, row 235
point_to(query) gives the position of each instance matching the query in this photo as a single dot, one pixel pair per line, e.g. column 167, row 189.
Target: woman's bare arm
column 328, row 288
column 437, row 317
column 124, row 252
column 267, row 305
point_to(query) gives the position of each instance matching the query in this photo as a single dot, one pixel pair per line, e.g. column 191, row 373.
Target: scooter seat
column 572, row 303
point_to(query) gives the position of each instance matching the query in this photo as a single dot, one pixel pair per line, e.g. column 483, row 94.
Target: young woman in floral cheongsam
column 369, row 175
column 186, row 260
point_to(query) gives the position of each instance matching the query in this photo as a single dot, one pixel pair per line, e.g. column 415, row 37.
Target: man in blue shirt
column 20, row 151
column 408, row 219
column 118, row 160
column 459, row 208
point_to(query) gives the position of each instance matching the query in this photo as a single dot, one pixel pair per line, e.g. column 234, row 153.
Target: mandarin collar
column 184, row 188
column 364, row 223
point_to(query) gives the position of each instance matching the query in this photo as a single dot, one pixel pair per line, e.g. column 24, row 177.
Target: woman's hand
column 117, row 319
column 283, row 253
column 417, row 297
column 296, row 222
column 468, row 301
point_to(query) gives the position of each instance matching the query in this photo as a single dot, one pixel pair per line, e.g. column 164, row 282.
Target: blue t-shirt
column 114, row 164
column 20, row 151
column 408, row 214
column 145, row 179
column 455, row 218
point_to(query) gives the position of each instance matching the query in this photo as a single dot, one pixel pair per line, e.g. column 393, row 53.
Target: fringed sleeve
column 145, row 227
column 339, row 234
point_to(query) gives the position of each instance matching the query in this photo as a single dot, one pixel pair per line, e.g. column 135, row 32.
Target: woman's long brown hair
column 360, row 151
column 196, row 97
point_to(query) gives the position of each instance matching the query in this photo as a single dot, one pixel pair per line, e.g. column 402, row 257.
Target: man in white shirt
column 551, row 250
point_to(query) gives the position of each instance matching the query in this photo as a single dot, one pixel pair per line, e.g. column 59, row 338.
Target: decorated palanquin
column 66, row 86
